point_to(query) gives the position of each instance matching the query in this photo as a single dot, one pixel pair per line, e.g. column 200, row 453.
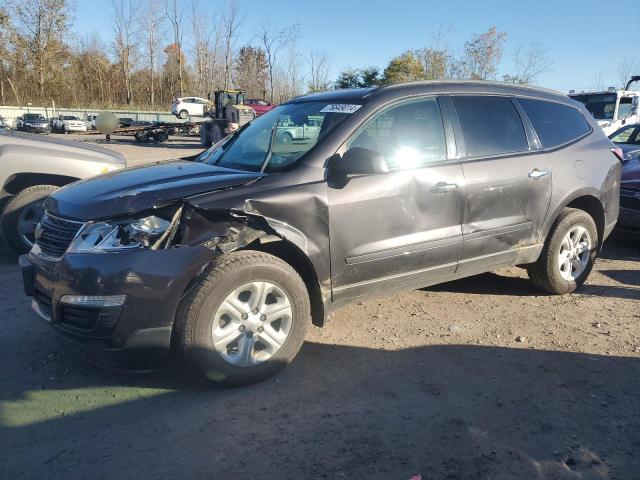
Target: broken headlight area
column 149, row 232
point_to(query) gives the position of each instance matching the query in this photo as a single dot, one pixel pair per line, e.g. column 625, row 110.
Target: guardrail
column 10, row 113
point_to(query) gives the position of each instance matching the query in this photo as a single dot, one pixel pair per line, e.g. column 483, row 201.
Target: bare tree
column 201, row 50
column 39, row 27
column 626, row 69
column 124, row 45
column 152, row 22
column 175, row 18
column 598, row 81
column 482, row 55
column 530, row 61
column 230, row 23
column 273, row 41
column 318, row 71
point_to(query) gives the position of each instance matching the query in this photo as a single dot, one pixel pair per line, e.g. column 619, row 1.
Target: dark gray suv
column 226, row 260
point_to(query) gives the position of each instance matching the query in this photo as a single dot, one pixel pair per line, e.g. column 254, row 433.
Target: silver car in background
column 31, row 168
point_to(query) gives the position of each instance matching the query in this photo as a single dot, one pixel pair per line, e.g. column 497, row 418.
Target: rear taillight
column 617, row 151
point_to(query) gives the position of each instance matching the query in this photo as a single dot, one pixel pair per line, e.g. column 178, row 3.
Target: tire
column 547, row 273
column 183, row 114
column 25, row 207
column 216, row 134
column 142, row 136
column 205, row 136
column 161, row 137
column 285, row 138
column 198, row 315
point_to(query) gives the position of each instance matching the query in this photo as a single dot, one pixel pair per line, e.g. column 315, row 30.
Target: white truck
column 612, row 109
column 67, row 124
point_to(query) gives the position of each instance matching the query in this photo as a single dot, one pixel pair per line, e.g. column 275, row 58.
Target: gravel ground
column 478, row 378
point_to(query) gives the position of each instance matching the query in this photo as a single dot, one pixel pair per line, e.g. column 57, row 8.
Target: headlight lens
column 110, row 237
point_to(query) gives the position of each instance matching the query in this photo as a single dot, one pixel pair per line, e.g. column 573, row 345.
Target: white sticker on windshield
column 340, row 108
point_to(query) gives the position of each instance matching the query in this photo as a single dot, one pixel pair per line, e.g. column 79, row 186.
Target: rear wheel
column 245, row 320
column 142, row 136
column 285, row 138
column 161, row 137
column 21, row 215
column 568, row 255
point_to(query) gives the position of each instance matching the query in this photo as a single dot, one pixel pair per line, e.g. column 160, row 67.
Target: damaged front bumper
column 132, row 331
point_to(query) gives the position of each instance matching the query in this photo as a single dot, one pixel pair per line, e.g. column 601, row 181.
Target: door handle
column 442, row 187
column 537, row 174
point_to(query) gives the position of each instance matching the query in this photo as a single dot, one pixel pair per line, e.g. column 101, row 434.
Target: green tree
column 404, row 68
column 358, row 78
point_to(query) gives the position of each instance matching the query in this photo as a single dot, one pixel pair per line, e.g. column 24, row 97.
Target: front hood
column 137, row 189
column 50, row 147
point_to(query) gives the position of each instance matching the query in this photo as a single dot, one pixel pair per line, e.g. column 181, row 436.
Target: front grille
column 55, row 235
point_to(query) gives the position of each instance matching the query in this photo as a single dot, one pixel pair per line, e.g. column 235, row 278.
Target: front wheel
column 183, row 114
column 245, row 320
column 21, row 215
column 568, row 255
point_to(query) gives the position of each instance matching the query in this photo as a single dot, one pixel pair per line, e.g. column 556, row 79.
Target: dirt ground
column 479, row 378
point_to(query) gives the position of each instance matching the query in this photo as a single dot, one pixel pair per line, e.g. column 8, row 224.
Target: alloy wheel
column 252, row 323
column 575, row 252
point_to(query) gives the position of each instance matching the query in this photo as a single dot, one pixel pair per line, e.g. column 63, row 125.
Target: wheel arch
column 294, row 256
column 587, row 201
column 19, row 181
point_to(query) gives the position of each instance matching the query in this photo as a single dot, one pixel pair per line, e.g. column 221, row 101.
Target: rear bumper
column 135, row 334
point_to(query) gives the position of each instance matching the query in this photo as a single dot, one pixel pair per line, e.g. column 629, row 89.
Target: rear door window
column 490, row 125
column 555, row 123
column 408, row 135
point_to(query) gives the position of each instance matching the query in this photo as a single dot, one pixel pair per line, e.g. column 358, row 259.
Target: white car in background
column 68, row 123
column 189, row 106
column 91, row 121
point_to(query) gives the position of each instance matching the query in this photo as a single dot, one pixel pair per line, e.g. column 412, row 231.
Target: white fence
column 11, row 113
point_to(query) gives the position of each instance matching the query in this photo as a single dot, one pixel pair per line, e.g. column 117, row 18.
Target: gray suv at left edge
column 225, row 261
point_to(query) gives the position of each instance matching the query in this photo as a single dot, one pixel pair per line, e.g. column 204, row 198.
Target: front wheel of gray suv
column 245, row 319
column 568, row 255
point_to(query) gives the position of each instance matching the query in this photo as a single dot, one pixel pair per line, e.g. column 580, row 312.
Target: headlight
column 118, row 236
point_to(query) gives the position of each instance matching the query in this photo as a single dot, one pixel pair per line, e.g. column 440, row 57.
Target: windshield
column 601, row 105
column 70, row 117
column 277, row 139
column 33, row 116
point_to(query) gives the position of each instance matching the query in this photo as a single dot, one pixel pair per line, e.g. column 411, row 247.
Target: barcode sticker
column 340, row 108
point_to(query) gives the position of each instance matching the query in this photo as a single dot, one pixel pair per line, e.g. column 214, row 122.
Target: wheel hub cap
column 252, row 323
column 575, row 253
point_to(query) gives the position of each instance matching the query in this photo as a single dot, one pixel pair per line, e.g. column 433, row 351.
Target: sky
column 580, row 37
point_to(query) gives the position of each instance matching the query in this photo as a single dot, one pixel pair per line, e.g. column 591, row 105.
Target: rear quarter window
column 555, row 123
column 491, row 125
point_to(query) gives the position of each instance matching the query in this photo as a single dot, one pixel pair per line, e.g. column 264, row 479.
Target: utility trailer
column 225, row 115
column 158, row 132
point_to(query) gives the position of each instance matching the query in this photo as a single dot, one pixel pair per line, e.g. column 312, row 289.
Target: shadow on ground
column 444, row 411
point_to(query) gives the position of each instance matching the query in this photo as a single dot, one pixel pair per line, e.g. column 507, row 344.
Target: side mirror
column 357, row 161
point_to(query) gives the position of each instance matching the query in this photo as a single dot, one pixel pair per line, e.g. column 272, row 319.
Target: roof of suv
column 434, row 86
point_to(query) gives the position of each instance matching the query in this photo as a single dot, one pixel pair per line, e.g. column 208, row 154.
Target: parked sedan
column 628, row 139
column 260, row 106
column 33, row 122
